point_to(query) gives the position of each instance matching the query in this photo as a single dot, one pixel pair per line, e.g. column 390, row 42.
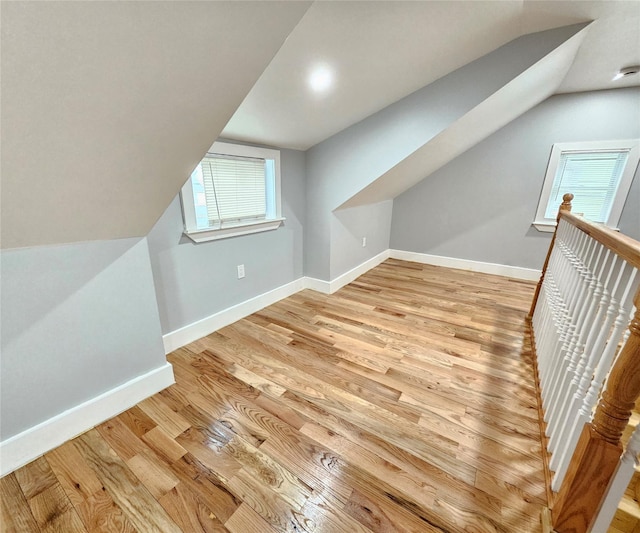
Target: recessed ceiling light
column 627, row 71
column 321, row 78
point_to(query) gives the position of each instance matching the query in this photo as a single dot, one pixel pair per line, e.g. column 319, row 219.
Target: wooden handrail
column 565, row 207
column 622, row 245
column 599, row 449
column 623, row 386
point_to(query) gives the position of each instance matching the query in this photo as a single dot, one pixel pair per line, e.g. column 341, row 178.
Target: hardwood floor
column 404, row 402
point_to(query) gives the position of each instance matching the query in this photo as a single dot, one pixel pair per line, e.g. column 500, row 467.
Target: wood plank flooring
column 402, row 403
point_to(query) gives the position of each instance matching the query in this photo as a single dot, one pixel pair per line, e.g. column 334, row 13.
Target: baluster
column 558, row 267
column 565, row 319
column 547, row 336
column 558, row 342
column 564, row 206
column 595, row 296
column 576, row 275
column 558, row 330
column 598, row 450
column 602, row 353
column 545, row 325
column 588, row 349
column 627, row 332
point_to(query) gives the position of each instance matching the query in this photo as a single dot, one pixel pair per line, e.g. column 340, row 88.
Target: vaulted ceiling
column 380, row 52
column 107, row 106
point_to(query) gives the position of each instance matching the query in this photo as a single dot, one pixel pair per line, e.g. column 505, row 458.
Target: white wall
column 481, row 205
column 77, row 320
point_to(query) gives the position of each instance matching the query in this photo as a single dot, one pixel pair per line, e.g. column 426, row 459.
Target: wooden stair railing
column 620, row 510
column 578, row 317
column 599, row 449
column 564, row 206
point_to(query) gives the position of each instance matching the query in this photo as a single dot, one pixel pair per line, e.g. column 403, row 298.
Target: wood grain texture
column 623, row 386
column 621, row 244
column 599, row 448
column 585, row 483
column 50, row 505
column 405, row 402
column 16, row 514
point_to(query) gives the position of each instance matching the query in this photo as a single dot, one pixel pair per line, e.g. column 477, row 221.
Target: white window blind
column 593, row 178
column 233, row 191
column 234, row 188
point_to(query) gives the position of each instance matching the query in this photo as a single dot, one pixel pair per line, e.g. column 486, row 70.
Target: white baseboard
column 530, row 274
column 206, row 326
column 354, row 273
column 23, row 448
column 34, row 442
column 318, row 285
column 329, row 287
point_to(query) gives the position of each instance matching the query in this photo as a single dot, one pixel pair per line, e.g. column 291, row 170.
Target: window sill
column 234, row 231
column 550, row 227
column 545, row 226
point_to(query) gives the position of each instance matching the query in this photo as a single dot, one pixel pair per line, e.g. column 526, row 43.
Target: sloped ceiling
column 613, row 40
column 108, row 106
column 384, row 50
column 518, row 96
column 379, row 52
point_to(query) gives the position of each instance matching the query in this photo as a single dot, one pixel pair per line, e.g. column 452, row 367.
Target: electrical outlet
column 240, row 271
column 364, row 241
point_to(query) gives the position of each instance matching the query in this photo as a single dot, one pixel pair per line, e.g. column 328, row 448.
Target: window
column 599, row 174
column 234, row 190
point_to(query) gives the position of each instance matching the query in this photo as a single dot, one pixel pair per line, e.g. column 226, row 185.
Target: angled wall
column 77, row 321
column 348, row 229
column 108, row 106
column 481, row 205
column 106, row 109
column 348, row 162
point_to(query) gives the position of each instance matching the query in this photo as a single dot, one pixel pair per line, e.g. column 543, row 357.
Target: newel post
column 599, row 449
column 564, row 206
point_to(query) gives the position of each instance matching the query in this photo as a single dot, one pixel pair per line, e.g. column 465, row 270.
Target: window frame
column 631, row 145
column 241, row 228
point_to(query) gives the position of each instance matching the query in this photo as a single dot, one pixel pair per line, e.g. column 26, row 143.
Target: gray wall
column 481, row 205
column 347, row 162
column 194, row 281
column 81, row 319
column 349, row 226
column 77, row 321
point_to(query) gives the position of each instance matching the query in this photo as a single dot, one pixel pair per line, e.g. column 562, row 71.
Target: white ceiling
column 383, row 51
column 108, row 106
column 516, row 97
